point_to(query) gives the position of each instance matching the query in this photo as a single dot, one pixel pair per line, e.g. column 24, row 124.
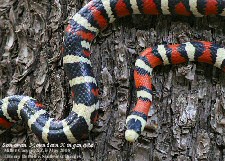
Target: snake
column 81, row 30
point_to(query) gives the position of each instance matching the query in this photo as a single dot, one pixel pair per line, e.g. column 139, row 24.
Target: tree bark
column 186, row 122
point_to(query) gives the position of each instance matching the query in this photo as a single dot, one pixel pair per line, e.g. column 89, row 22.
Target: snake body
column 80, row 32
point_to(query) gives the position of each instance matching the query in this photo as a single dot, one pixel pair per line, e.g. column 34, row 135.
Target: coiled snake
column 82, row 29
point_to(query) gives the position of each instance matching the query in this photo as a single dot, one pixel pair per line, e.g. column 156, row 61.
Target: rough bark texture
column 187, row 119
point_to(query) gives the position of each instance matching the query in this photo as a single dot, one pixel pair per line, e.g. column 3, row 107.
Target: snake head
column 135, row 125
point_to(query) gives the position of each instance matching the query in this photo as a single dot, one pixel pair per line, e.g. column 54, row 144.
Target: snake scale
column 80, row 32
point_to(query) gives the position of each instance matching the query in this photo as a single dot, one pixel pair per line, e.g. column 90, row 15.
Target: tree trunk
column 186, row 122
